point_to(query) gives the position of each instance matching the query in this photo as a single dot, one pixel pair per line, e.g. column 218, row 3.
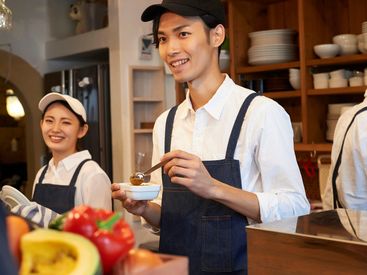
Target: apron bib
column 212, row 235
column 58, row 198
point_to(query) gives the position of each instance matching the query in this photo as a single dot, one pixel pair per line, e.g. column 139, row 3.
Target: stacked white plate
column 272, row 46
column 13, row 197
column 334, row 112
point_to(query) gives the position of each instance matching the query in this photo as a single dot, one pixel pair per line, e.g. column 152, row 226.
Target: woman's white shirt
column 264, row 149
column 93, row 186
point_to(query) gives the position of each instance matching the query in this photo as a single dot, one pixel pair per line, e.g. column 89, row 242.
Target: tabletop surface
column 341, row 225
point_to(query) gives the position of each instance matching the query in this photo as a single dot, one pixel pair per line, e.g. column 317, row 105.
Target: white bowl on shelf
column 346, row 38
column 326, row 50
column 295, row 82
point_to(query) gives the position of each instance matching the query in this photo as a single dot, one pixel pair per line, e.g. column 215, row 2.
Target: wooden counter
column 327, row 242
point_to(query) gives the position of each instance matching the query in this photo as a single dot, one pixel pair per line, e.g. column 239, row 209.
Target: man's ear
column 83, row 131
column 218, row 34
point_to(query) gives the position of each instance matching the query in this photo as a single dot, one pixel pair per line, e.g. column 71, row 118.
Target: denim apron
column 336, row 201
column 212, row 235
column 59, row 198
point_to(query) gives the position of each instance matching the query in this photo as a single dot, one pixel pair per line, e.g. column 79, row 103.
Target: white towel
column 36, row 213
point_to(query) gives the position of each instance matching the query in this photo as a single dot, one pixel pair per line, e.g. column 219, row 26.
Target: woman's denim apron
column 212, row 235
column 58, row 198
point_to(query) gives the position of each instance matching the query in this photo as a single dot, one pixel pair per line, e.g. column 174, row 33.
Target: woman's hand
column 188, row 170
column 132, row 206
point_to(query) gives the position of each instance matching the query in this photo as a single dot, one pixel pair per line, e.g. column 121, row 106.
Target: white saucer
column 13, row 197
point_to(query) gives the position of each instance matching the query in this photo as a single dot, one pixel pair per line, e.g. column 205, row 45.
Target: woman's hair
column 209, row 21
column 64, row 103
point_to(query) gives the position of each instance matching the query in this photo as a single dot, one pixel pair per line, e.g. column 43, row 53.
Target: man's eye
column 184, row 34
column 161, row 39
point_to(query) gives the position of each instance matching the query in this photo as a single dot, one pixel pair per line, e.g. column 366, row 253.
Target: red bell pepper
column 109, row 232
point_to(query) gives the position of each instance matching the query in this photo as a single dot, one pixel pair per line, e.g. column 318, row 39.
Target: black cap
column 186, row 8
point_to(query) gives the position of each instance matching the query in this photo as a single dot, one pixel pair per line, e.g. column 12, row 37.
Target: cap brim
column 154, row 11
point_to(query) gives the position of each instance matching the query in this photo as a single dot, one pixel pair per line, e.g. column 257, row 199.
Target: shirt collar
column 73, row 160
column 215, row 105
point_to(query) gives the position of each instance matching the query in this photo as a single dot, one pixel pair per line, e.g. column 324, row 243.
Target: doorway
column 27, row 84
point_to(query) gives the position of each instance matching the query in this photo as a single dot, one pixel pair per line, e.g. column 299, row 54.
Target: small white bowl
column 346, row 38
column 326, row 50
column 295, row 82
column 143, row 192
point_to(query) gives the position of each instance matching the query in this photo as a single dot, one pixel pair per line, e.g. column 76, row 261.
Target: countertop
column 341, row 224
column 324, row 242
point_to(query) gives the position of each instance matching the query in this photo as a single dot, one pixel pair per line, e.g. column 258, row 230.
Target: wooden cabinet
column 316, row 22
column 147, row 95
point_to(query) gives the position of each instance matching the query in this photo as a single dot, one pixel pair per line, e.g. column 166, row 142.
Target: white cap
column 74, row 104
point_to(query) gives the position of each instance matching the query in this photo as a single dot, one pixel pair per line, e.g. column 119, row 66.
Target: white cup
column 321, row 80
column 337, row 73
column 356, row 81
column 338, row 82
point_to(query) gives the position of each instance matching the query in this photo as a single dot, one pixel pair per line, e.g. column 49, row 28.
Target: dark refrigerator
column 91, row 86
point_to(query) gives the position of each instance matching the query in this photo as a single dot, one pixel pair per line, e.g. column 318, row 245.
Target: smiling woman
column 71, row 177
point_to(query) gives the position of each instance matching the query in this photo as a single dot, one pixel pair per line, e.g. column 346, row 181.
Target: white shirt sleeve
column 283, row 193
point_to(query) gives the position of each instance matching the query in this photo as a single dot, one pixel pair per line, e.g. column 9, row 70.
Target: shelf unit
column 316, row 22
column 147, row 103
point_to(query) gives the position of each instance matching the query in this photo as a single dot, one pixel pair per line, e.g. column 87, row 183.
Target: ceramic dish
column 144, row 191
column 13, row 197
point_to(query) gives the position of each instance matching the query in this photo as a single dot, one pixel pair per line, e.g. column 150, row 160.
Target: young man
column 347, row 182
column 230, row 162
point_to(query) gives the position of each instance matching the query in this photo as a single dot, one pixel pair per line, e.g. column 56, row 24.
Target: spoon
column 140, row 177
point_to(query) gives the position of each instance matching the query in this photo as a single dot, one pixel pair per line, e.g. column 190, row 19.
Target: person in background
column 70, row 178
column 346, row 186
column 230, row 152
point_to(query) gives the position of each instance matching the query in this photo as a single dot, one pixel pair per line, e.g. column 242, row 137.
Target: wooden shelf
column 147, row 99
column 313, row 147
column 337, row 91
column 147, row 93
column 143, row 131
column 283, row 94
column 267, row 68
column 339, row 60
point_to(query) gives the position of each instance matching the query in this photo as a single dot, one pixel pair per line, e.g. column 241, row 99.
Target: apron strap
column 169, row 128
column 232, row 143
column 337, row 203
column 76, row 173
column 40, row 180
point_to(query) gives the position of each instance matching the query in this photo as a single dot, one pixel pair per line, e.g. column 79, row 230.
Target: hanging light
column 13, row 105
column 5, row 16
